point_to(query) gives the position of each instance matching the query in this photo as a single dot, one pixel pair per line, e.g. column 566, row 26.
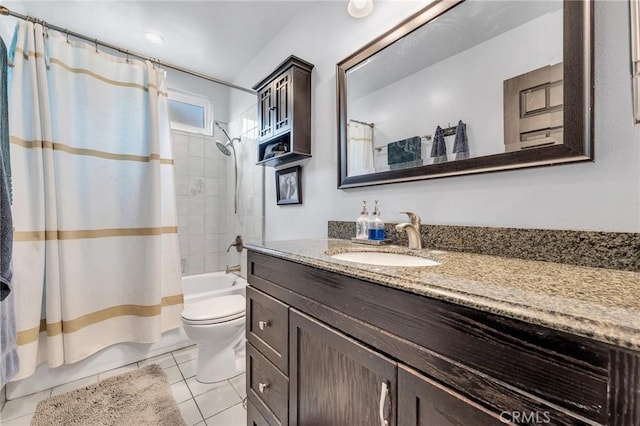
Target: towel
column 404, row 150
column 439, row 147
column 6, row 236
column 9, row 361
column 461, row 144
column 4, row 116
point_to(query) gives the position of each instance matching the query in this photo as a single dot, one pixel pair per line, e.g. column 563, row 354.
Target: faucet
column 413, row 230
column 238, row 244
column 235, row 268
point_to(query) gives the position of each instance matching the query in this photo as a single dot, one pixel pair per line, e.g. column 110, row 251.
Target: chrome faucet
column 413, row 230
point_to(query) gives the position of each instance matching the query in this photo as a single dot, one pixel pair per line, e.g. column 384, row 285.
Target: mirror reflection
column 483, row 78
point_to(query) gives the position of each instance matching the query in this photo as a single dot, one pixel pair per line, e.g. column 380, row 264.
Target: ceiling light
column 154, row 37
column 360, row 8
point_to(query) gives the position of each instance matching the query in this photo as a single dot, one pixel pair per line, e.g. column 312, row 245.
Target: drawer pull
column 384, row 393
column 264, row 324
column 263, row 386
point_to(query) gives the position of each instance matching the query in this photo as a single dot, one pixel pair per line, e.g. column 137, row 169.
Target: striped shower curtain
column 96, row 257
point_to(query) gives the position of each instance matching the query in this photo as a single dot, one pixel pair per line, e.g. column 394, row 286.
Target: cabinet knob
column 263, row 386
column 264, row 324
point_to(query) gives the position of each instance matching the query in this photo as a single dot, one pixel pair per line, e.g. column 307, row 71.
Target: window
column 190, row 112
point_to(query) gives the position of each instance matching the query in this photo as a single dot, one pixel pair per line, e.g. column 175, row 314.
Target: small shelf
column 287, row 156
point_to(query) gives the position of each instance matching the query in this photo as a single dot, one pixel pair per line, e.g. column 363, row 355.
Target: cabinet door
column 423, row 402
column 266, row 107
column 335, row 380
column 282, row 94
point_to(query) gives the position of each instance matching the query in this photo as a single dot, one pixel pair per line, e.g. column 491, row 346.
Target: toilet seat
column 215, row 310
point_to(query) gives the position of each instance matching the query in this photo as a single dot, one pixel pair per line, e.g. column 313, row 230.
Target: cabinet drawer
column 267, row 387
column 268, row 327
column 254, row 418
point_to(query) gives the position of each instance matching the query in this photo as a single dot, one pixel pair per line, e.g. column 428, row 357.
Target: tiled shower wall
column 207, row 224
column 201, row 174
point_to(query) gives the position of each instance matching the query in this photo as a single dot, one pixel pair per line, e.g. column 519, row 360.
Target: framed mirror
column 467, row 87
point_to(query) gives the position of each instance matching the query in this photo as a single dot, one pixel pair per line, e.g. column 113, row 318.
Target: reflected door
column 533, row 109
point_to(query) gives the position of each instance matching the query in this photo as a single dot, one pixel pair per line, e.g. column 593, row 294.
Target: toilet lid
column 215, row 308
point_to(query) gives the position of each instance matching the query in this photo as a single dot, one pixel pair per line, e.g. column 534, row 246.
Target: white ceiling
column 217, row 38
column 463, row 27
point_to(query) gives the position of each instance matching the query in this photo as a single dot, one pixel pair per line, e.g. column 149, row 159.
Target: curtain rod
column 5, row 11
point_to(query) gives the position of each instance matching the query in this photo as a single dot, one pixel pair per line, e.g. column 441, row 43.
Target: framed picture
column 288, row 188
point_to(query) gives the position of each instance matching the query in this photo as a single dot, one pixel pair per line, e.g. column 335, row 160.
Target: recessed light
column 360, row 8
column 154, row 37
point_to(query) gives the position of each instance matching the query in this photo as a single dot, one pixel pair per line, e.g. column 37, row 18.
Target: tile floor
column 218, row 404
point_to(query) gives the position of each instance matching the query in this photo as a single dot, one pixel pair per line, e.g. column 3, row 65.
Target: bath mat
column 141, row 398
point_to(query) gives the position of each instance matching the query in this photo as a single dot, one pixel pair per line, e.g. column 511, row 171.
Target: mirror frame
column 578, row 103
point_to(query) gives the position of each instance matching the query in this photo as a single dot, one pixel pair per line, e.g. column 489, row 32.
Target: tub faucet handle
column 238, row 244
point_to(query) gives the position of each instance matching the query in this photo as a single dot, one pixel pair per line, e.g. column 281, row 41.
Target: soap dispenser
column 362, row 223
column 376, row 225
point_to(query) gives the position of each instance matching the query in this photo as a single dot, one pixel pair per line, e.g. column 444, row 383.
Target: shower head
column 223, row 148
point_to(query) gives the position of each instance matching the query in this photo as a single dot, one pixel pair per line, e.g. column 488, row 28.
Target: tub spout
column 235, row 268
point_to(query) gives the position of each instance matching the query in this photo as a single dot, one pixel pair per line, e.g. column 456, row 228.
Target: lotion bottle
column 376, row 225
column 362, row 223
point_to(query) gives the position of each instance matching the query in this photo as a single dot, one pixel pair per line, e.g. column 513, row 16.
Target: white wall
column 601, row 196
column 467, row 86
column 248, row 221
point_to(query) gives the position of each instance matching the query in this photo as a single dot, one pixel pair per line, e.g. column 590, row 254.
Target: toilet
column 217, row 327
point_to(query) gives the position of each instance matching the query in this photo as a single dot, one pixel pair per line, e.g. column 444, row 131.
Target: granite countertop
column 601, row 304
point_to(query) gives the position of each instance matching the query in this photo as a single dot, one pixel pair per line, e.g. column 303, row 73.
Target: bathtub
column 212, row 284
column 194, row 287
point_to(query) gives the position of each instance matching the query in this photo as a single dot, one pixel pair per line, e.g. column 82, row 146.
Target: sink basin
column 384, row 259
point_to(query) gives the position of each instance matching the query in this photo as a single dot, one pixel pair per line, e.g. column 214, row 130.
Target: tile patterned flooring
column 218, row 404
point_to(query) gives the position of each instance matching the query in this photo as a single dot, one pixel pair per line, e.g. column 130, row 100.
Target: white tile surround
column 200, row 404
column 207, row 224
column 200, row 176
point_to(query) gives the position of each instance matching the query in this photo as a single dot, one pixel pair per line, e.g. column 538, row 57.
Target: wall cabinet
column 284, row 113
column 359, row 353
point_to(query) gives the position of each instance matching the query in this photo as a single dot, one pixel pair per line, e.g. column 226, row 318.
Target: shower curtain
column 360, row 149
column 96, row 258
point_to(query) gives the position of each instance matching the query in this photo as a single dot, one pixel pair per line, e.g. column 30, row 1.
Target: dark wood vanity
column 329, row 349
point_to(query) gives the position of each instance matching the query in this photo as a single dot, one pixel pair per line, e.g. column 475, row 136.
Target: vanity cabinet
column 284, row 113
column 359, row 353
